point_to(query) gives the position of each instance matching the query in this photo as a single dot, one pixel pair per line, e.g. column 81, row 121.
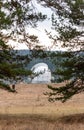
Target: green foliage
column 67, row 20
column 14, row 16
column 3, row 45
column 69, row 26
column 68, row 34
column 5, row 21
column 64, row 93
column 5, row 87
column 71, row 71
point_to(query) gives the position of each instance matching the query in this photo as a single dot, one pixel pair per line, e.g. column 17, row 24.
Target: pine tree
column 69, row 25
column 15, row 15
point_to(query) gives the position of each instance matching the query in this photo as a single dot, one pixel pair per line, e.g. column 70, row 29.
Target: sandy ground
column 30, row 99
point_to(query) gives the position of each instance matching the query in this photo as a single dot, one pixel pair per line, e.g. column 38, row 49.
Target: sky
column 39, row 30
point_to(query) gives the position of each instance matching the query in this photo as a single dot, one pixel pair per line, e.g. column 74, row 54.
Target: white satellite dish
column 44, row 76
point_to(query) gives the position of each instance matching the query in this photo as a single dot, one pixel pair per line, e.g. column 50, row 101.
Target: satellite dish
column 44, row 73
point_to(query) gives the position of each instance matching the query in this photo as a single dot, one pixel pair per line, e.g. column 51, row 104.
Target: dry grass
column 40, row 122
column 29, row 109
